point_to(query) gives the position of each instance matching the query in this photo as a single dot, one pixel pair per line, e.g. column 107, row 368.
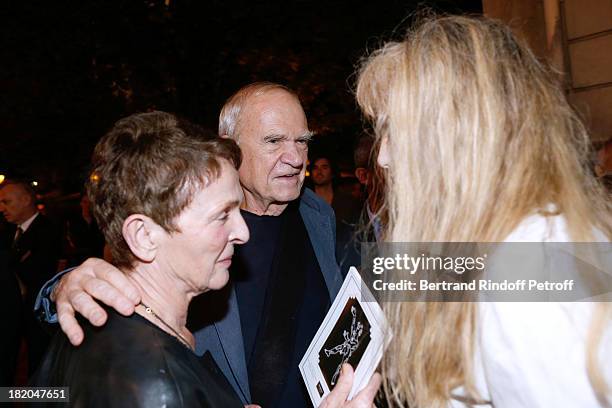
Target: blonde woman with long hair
column 481, row 145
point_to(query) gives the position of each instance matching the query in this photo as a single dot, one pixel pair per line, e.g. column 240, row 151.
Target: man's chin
column 219, row 280
column 287, row 196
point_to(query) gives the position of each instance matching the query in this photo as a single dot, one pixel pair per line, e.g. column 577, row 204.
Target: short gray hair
column 230, row 113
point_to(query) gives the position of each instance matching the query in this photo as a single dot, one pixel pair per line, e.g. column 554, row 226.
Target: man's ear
column 362, row 175
column 142, row 236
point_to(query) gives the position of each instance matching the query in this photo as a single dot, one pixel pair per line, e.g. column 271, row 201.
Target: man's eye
column 223, row 217
column 273, row 141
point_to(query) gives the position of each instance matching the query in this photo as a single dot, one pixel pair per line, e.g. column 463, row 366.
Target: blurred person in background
column 368, row 227
column 11, row 314
column 34, row 252
column 372, row 180
column 323, row 174
column 84, row 238
column 326, row 184
column 603, row 164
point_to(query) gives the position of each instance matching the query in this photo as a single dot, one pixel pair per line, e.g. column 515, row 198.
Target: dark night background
column 70, row 69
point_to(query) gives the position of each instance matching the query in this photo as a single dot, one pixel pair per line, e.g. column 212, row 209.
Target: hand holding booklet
column 354, row 331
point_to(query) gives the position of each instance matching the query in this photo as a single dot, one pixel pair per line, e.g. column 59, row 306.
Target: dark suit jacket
column 35, row 259
column 11, row 316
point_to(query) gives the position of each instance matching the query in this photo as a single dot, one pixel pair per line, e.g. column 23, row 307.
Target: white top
column 534, row 354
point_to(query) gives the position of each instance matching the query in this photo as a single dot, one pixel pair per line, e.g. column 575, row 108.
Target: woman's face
column 201, row 253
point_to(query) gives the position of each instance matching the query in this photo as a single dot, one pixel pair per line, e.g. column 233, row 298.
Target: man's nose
column 293, row 155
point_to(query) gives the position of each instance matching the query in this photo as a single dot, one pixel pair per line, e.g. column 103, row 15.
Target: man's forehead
column 270, row 95
column 9, row 190
column 276, row 111
column 15, row 189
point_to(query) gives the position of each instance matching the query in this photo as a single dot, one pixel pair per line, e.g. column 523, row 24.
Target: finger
column 116, row 278
column 68, row 323
column 365, row 397
column 85, row 305
column 340, row 393
column 56, row 290
column 109, row 295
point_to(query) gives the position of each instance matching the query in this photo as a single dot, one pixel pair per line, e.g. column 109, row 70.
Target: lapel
column 31, row 233
column 322, row 237
column 26, row 240
column 229, row 332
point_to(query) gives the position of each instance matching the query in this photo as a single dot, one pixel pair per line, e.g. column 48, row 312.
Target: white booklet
column 355, row 331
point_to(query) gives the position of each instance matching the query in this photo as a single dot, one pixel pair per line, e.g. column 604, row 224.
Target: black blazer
column 34, row 261
column 11, row 316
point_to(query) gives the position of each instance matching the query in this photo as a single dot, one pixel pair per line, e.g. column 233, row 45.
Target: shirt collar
column 26, row 224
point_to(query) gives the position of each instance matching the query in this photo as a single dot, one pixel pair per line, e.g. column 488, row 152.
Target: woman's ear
column 142, row 236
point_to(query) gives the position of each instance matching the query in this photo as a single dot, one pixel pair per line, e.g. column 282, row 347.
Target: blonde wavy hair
column 480, row 136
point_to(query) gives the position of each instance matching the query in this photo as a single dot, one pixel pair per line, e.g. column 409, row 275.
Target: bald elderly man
column 283, row 279
column 34, row 251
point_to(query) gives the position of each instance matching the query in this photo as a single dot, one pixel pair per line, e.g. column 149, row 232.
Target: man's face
column 321, row 172
column 273, row 136
column 15, row 204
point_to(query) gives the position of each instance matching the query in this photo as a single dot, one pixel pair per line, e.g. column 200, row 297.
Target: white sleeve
column 533, row 354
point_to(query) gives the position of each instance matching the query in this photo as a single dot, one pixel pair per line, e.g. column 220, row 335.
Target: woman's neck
column 166, row 297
